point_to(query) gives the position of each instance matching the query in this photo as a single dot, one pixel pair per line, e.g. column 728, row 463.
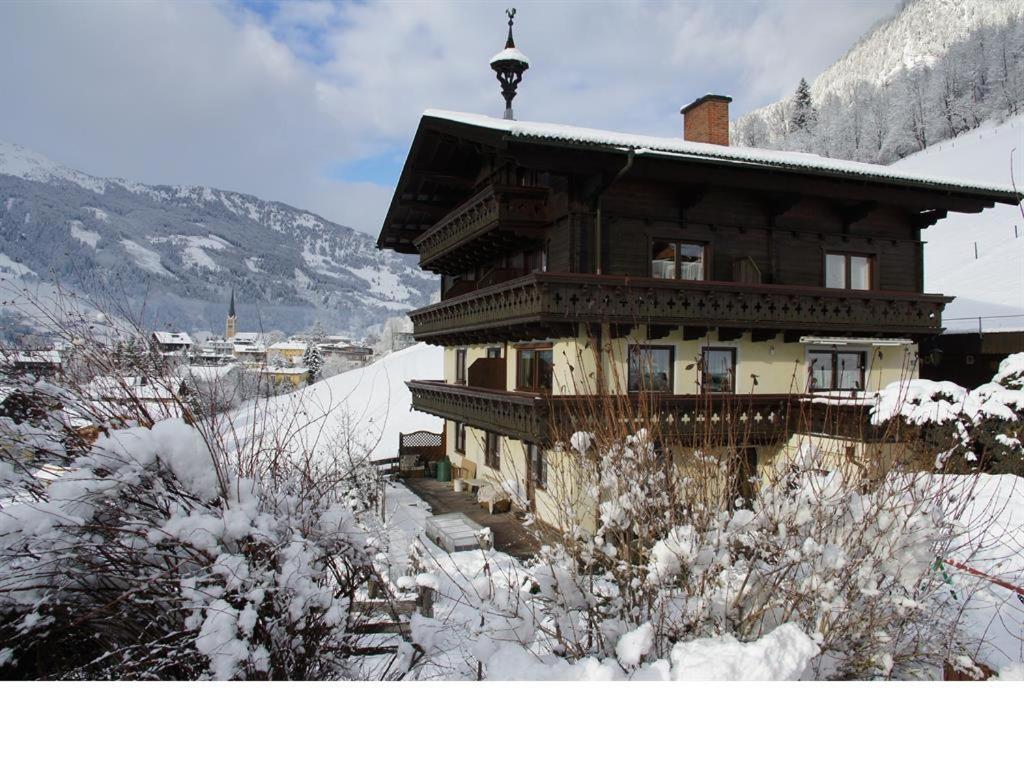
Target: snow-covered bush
column 817, row 569
column 156, row 554
column 148, row 558
column 143, row 539
column 981, row 428
column 848, row 564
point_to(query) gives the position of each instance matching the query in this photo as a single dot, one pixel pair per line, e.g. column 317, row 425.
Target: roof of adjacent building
column 290, row 345
column 31, row 356
column 171, row 337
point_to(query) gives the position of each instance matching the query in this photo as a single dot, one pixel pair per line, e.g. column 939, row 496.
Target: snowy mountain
column 918, row 35
column 989, row 284
column 172, row 254
column 932, row 71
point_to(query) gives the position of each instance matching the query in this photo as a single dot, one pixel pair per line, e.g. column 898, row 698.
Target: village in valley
column 253, row 362
column 739, row 403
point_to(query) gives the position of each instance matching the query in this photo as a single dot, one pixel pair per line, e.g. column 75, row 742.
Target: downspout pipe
column 598, row 213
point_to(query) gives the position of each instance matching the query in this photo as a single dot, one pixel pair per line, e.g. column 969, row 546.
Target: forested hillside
column 935, row 70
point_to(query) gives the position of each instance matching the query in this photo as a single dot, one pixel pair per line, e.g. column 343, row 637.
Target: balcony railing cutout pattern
column 574, row 298
column 466, row 234
column 717, row 419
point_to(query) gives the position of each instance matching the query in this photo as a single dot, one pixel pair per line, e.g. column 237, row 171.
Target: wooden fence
column 428, row 445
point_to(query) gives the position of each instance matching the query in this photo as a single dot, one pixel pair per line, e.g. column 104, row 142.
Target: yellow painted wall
column 778, row 367
column 564, row 488
column 768, row 367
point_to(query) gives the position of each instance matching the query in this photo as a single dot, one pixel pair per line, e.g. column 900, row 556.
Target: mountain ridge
column 930, row 71
column 175, row 251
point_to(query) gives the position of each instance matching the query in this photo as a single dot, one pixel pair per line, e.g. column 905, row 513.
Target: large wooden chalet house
column 720, row 283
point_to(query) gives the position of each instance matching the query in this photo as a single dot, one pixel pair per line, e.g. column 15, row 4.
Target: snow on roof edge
column 683, row 148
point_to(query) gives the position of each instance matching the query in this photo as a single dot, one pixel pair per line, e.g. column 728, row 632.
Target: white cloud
column 215, row 94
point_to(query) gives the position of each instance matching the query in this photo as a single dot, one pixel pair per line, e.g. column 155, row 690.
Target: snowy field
column 369, row 406
column 993, row 284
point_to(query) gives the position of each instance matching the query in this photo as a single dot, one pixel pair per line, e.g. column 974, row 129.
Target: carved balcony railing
column 545, row 304
column 497, row 217
column 689, row 419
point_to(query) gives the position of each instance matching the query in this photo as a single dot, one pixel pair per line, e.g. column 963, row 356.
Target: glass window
column 650, row 369
column 835, row 270
column 534, row 368
column 836, row 370
column 538, row 465
column 860, row 273
column 691, row 261
column 677, row 260
column 663, row 260
column 460, row 436
column 718, row 369
column 849, row 370
column 494, row 352
column 460, row 366
column 492, row 453
column 525, row 369
column 545, row 369
column 820, row 364
column 847, row 271
column 536, row 261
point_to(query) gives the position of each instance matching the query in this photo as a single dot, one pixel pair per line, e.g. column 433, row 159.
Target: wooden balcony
column 689, row 419
column 497, row 219
column 547, row 304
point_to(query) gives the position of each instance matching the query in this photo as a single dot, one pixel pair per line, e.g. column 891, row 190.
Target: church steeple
column 229, row 327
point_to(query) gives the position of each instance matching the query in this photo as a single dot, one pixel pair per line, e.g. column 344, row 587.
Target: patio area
column 509, row 532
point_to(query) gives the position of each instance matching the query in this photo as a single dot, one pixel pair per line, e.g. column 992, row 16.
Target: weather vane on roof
column 509, row 65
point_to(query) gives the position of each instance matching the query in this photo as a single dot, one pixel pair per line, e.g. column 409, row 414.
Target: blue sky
column 315, row 103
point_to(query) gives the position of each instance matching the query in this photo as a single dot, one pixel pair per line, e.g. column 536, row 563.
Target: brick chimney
column 707, row 119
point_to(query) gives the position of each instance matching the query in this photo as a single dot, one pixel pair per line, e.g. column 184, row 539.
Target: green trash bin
column 444, row 470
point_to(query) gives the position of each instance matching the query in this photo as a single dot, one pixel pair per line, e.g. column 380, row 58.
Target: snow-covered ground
column 369, row 406
column 993, row 616
column 990, row 286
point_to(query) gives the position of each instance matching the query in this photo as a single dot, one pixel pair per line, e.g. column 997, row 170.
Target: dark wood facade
column 969, row 359
column 483, row 206
column 537, row 230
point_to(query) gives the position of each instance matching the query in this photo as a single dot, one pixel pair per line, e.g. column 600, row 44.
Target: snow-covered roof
column 743, row 156
column 37, row 356
column 171, row 337
column 133, row 388
column 288, row 345
column 510, row 54
column 209, row 373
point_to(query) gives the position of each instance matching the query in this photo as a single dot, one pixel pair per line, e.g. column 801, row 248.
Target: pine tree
column 317, row 335
column 313, row 359
column 803, row 114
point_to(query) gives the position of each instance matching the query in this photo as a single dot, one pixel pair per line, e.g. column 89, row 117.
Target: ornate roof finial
column 509, row 65
column 511, row 13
